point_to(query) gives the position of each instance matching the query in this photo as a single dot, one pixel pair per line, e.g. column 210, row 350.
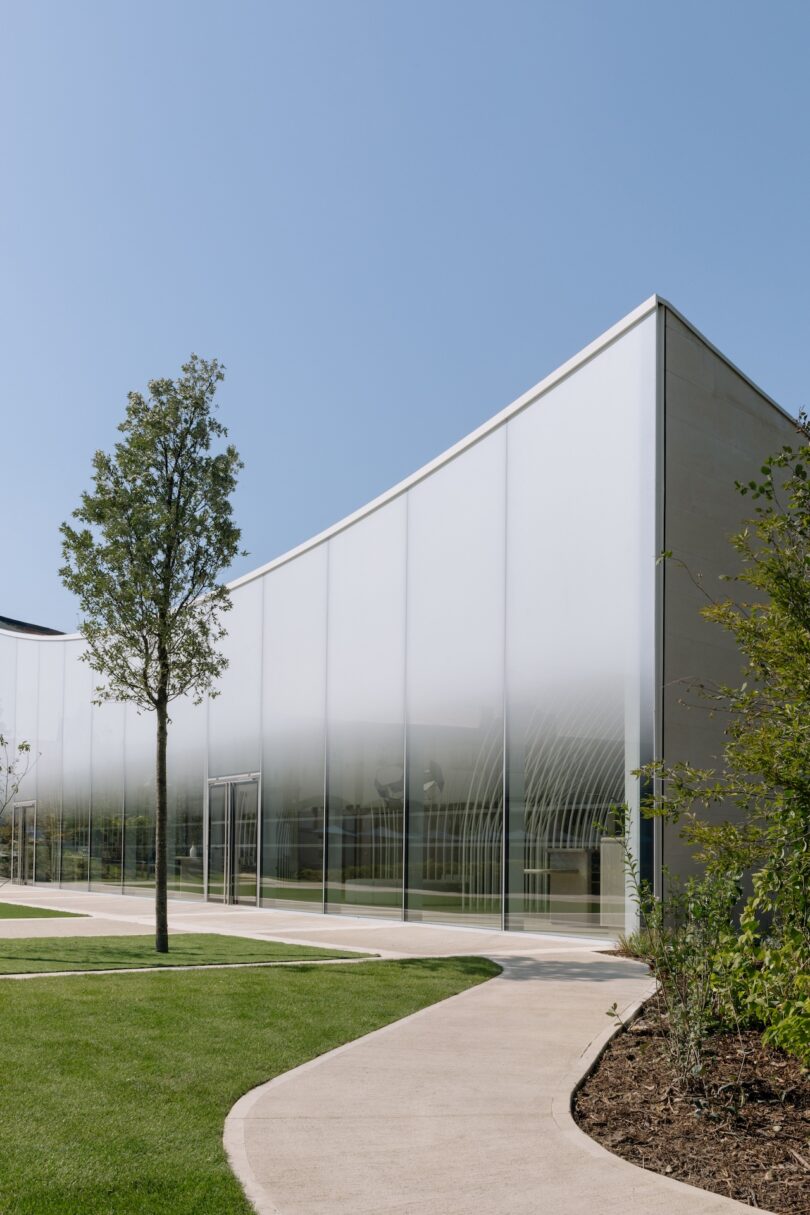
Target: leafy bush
column 756, row 972
column 685, row 941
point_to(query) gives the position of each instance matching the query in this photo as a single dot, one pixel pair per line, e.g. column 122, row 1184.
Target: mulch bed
column 750, row 1141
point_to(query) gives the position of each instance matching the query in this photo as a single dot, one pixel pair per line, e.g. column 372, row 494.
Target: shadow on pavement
column 573, row 971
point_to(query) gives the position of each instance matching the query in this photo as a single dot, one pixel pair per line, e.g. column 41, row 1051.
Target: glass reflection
column 217, row 841
column 186, row 841
column 76, row 763
column 234, row 715
column 573, row 601
column 365, row 714
column 139, row 785
column 5, row 845
column 186, row 776
column 47, row 843
column 456, row 813
column 244, row 827
column 49, row 762
column 293, row 704
column 456, row 535
column 107, row 806
column 565, row 777
column 364, row 841
column 232, row 841
column 463, row 658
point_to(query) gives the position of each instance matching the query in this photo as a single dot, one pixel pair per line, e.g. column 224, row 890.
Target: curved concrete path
column 462, row 1109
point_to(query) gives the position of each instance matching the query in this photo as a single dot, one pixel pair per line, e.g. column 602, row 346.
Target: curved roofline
column 486, row 428
column 556, row 377
column 9, row 625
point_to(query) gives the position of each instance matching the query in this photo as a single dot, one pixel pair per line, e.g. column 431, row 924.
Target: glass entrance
column 23, row 841
column 233, row 820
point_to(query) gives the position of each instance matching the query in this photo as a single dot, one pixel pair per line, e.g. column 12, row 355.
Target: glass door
column 233, row 822
column 23, row 842
column 217, row 842
column 245, row 818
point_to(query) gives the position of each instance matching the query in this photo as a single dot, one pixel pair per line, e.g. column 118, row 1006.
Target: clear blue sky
column 387, row 219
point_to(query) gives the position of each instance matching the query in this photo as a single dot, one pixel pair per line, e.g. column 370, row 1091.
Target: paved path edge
column 233, row 1135
column 562, row 1112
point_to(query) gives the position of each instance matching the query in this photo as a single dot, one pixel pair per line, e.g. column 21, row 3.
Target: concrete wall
column 718, row 429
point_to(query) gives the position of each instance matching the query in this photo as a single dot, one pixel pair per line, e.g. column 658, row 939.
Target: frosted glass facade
column 428, row 712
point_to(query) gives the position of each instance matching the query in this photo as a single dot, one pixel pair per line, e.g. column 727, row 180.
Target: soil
column 749, row 1139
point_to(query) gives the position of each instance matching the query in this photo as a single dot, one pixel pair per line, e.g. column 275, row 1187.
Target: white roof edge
column 527, row 398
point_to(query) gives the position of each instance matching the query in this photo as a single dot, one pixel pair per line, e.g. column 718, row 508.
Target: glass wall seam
column 504, row 737
column 62, row 765
column 206, row 796
column 90, row 801
column 325, row 829
column 123, row 799
column 260, row 756
column 406, row 831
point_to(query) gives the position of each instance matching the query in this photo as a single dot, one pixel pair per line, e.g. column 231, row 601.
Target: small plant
column 683, row 940
column 636, row 944
column 14, row 765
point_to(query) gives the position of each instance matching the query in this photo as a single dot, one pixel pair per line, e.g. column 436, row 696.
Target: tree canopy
column 155, row 533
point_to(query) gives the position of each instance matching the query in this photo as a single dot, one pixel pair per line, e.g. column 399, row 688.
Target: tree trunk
column 161, row 817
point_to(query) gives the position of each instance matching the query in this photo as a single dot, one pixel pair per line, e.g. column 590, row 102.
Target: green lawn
column 116, row 1088
column 29, row 954
column 19, row 911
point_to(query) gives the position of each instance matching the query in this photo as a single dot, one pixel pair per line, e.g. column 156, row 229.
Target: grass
column 116, row 1090
column 19, row 911
column 30, row 954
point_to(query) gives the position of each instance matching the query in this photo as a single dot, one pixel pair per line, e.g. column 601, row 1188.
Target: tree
column 765, row 771
column 157, row 532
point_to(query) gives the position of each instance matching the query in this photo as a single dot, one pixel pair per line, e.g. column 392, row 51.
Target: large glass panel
column 293, row 734
column 234, row 715
column 49, row 760
column 573, row 603
column 25, row 711
column 365, row 710
column 139, row 799
column 47, row 843
column 23, row 841
column 455, row 688
column 186, row 777
column 8, row 681
column 26, row 730
column 186, row 788
column 75, row 866
column 107, row 805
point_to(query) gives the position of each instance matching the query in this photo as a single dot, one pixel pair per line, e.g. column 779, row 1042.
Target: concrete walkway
column 462, row 1109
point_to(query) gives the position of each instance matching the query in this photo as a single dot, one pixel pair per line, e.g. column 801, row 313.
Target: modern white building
column 431, row 708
